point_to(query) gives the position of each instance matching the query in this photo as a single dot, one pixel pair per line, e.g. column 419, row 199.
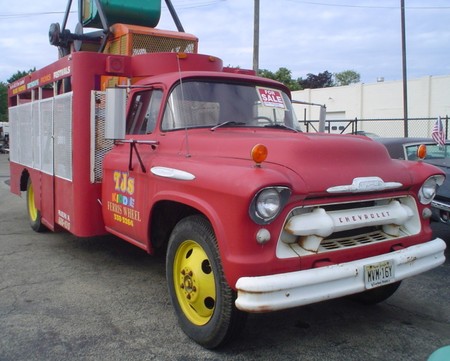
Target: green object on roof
column 132, row 12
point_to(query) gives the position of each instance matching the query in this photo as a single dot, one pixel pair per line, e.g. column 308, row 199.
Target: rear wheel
column 203, row 301
column 376, row 295
column 34, row 214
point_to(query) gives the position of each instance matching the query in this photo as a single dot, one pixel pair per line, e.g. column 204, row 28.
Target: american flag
column 438, row 133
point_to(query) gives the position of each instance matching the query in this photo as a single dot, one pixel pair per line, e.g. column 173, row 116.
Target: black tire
column 203, row 300
column 34, row 215
column 376, row 295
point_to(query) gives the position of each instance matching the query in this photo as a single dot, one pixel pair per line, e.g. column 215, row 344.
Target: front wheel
column 203, row 301
column 34, row 214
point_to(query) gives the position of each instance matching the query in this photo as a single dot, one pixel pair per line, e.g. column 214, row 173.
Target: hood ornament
column 365, row 184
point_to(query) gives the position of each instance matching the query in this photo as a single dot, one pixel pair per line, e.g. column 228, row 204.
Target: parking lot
column 102, row 299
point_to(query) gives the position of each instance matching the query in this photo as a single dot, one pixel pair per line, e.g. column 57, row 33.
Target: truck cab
column 215, row 168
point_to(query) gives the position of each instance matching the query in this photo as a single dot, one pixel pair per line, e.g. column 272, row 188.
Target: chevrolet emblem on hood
column 364, row 184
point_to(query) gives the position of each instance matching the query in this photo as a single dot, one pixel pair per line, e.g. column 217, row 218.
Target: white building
column 428, row 97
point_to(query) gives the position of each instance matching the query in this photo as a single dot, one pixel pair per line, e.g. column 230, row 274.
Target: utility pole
column 256, row 37
column 405, row 78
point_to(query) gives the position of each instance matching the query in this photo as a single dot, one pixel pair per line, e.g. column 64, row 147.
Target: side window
column 144, row 112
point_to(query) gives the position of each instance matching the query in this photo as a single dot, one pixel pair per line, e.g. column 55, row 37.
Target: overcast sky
column 304, row 36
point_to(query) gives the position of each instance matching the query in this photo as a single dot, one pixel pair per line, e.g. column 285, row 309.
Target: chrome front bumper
column 287, row 290
column 441, row 211
column 441, row 205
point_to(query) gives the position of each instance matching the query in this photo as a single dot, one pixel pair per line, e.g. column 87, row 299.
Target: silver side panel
column 62, row 127
column 41, row 135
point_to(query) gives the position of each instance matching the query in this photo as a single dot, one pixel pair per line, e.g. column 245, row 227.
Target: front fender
column 223, row 195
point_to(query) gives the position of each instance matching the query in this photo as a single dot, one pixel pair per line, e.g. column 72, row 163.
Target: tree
column 346, row 77
column 321, row 80
column 266, row 74
column 20, row 74
column 4, row 92
column 3, row 102
column 282, row 75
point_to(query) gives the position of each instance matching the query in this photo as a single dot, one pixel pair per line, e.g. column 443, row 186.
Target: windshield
column 207, row 104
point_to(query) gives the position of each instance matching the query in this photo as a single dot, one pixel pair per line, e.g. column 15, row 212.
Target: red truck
column 173, row 152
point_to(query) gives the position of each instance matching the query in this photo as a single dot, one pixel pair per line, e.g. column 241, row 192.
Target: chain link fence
column 395, row 127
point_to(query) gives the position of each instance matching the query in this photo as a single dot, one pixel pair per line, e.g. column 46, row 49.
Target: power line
column 369, row 6
column 181, row 6
column 199, row 4
column 214, row 2
column 23, row 15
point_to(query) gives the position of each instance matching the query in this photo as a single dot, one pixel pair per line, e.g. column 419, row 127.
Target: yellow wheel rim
column 32, row 210
column 194, row 282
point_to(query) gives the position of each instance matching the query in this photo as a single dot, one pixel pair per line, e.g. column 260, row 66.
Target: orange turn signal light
column 421, row 151
column 182, row 55
column 259, row 153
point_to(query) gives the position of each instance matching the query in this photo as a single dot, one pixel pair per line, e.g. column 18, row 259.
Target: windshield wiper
column 229, row 122
column 277, row 125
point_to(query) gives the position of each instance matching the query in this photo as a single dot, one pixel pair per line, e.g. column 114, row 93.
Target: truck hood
column 320, row 160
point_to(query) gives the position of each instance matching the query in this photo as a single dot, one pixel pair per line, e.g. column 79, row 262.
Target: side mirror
column 116, row 105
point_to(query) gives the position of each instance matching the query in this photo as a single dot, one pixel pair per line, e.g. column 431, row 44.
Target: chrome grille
column 353, row 224
column 338, row 243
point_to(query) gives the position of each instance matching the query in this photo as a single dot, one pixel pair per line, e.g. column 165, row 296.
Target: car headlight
column 267, row 204
column 429, row 188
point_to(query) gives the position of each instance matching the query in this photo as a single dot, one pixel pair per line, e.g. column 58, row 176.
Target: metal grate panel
column 14, row 139
column 41, row 135
column 145, row 43
column 36, row 135
column 118, row 46
column 142, row 44
column 21, row 134
column 62, row 121
column 46, row 135
column 99, row 145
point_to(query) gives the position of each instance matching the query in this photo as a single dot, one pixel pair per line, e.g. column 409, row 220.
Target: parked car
column 406, row 148
column 4, row 142
column 367, row 134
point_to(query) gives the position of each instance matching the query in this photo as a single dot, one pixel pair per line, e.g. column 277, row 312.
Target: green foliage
column 321, row 80
column 20, row 74
column 3, row 102
column 312, row 81
column 346, row 77
column 282, row 75
column 4, row 92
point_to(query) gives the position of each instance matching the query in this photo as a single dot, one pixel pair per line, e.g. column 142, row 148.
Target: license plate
column 379, row 274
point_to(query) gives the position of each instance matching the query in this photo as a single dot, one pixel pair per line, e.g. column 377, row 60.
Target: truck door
column 127, row 185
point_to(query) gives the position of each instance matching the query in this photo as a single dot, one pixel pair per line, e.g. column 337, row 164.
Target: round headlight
column 268, row 204
column 428, row 190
